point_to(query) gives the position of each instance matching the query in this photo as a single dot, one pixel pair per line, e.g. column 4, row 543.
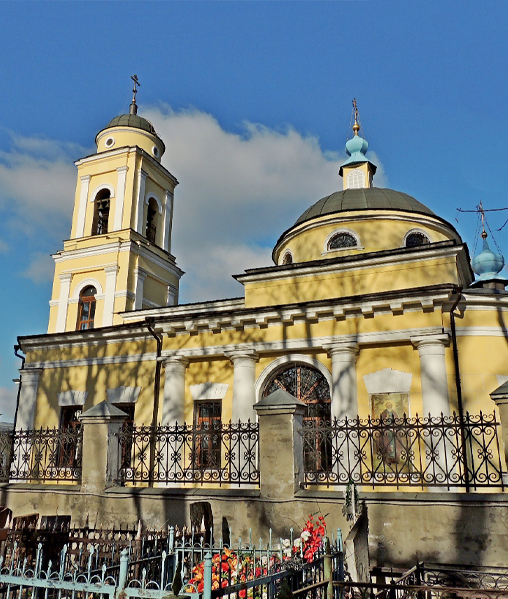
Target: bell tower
column 118, row 257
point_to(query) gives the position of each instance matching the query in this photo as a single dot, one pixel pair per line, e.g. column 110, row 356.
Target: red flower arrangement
column 229, row 568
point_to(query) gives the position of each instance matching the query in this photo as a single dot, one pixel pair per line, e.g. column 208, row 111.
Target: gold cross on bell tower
column 134, row 107
column 356, row 126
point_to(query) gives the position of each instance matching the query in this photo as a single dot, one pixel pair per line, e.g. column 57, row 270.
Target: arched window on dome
column 311, row 387
column 416, row 238
column 355, row 179
column 287, row 258
column 101, row 213
column 151, row 220
column 86, row 308
column 341, row 240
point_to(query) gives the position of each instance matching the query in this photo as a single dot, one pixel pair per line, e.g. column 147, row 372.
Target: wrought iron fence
column 6, row 446
column 421, row 451
column 45, row 455
column 225, row 453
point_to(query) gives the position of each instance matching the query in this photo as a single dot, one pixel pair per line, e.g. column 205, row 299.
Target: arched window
column 86, row 308
column 288, row 258
column 151, row 220
column 341, row 241
column 355, row 179
column 416, row 238
column 310, row 386
column 101, row 214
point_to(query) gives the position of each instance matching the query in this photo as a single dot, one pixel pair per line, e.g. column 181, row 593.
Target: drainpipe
column 17, row 349
column 156, row 392
column 459, row 386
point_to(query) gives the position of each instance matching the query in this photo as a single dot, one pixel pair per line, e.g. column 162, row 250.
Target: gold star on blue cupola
column 357, row 171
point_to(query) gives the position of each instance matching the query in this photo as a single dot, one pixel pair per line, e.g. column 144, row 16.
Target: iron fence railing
column 442, row 451
column 42, row 455
column 222, row 453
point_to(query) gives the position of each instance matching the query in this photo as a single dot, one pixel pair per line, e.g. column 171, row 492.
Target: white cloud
column 8, row 397
column 239, row 191
column 41, row 268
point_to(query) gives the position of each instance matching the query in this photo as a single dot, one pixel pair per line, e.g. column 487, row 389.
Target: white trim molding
column 72, row 398
column 123, row 394
column 122, row 178
column 65, row 286
column 282, row 361
column 99, row 188
column 83, row 197
column 208, row 390
column 338, row 231
column 149, row 196
column 84, row 283
column 415, row 230
column 387, row 381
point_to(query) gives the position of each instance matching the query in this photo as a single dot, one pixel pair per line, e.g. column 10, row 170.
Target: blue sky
column 253, row 100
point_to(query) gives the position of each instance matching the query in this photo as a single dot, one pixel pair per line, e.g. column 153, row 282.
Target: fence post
column 124, row 568
column 207, row 578
column 281, row 465
column 328, row 569
column 100, row 447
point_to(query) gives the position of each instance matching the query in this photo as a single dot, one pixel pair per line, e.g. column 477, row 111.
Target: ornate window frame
column 85, row 283
column 150, row 195
column 359, row 179
column 358, row 245
column 415, row 230
column 287, row 253
column 278, row 363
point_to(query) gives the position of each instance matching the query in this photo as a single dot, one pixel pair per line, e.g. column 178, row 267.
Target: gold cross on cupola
column 134, row 106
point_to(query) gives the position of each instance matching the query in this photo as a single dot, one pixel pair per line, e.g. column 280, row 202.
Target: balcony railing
column 226, row 453
column 441, row 451
column 43, row 455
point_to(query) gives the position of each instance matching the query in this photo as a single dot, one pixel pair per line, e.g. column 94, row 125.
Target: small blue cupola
column 357, row 171
column 487, row 265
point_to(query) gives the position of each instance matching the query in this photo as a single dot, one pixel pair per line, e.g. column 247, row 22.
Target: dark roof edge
column 439, row 218
column 353, row 257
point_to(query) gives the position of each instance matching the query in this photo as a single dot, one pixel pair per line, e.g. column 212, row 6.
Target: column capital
column 85, row 178
column 122, row 169
column 342, row 347
column 30, row 373
column 65, row 277
column 111, row 269
column 140, row 273
column 430, row 340
column 174, row 359
column 245, row 353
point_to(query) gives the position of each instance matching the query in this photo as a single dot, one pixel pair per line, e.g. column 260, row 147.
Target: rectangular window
column 208, row 423
column 68, row 446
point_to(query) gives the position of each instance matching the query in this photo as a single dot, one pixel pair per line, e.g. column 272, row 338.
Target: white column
column 173, row 403
column 29, row 381
column 168, row 221
column 171, row 295
column 109, row 295
column 83, row 199
column 344, row 389
column 120, row 196
column 141, row 202
column 433, row 373
column 140, row 283
column 244, row 380
column 63, row 300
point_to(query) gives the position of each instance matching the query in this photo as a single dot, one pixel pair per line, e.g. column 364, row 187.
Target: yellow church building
column 366, row 353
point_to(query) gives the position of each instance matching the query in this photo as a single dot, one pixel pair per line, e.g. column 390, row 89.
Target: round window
column 109, row 142
column 155, row 151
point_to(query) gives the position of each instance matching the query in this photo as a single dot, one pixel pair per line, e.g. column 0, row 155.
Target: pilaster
column 431, row 349
column 29, row 381
column 140, row 202
column 120, row 197
column 109, row 295
column 63, row 300
column 344, row 387
column 83, row 198
column 173, row 403
column 244, row 380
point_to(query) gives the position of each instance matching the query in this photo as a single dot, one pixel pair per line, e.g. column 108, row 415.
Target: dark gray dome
column 132, row 120
column 371, row 198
